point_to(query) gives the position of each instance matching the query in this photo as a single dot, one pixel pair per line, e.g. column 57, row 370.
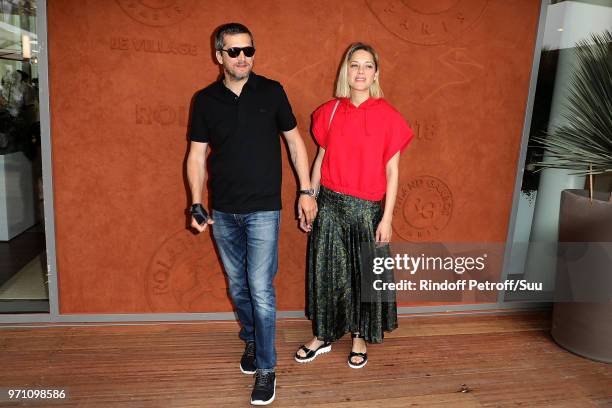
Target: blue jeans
column 248, row 245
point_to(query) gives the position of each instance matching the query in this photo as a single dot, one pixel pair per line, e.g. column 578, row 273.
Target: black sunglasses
column 235, row 51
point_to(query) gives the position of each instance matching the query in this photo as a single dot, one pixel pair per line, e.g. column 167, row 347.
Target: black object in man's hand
column 199, row 213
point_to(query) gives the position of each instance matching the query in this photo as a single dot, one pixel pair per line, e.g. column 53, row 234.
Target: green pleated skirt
column 334, row 303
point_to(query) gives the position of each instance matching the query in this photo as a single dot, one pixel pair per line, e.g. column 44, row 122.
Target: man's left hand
column 307, row 211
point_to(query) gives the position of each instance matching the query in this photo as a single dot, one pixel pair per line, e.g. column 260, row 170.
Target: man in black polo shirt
column 240, row 117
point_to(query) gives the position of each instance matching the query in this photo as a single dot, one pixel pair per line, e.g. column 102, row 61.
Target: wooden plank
column 496, row 360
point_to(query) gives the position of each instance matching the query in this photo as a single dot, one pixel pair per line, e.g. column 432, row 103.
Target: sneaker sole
column 321, row 350
column 259, row 402
column 243, row 371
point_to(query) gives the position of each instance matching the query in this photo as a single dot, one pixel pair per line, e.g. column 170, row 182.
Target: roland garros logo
column 428, row 23
column 184, row 275
column 423, row 208
column 157, row 13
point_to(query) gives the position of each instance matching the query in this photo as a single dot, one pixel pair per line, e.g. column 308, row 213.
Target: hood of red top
column 367, row 104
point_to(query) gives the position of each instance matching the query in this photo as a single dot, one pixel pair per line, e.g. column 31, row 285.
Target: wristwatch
column 309, row 192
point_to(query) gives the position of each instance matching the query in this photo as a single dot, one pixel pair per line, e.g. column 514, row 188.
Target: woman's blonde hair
column 343, row 90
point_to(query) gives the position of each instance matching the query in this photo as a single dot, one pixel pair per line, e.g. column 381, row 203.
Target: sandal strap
column 363, row 356
column 306, row 349
column 309, row 352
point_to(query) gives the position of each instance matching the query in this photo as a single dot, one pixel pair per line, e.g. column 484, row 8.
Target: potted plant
column 584, row 145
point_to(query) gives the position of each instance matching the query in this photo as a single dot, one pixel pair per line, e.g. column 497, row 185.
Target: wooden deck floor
column 505, row 360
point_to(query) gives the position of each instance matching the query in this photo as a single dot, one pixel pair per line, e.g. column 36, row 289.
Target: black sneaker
column 247, row 362
column 264, row 389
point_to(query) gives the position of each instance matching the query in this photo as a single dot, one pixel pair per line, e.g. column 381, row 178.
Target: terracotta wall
column 122, row 76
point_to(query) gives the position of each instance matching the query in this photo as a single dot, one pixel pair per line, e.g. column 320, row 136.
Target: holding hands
column 307, row 211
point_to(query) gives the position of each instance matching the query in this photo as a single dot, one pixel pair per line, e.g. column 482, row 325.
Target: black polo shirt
column 243, row 134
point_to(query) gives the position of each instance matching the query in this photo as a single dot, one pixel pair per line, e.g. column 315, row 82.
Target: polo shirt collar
column 251, row 82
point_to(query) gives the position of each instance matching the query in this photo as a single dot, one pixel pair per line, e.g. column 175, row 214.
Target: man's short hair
column 230, row 29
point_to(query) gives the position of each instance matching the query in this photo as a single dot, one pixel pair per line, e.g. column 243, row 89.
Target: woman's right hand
column 307, row 211
column 304, row 226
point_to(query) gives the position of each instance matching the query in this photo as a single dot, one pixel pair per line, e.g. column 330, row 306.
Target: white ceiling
column 571, row 21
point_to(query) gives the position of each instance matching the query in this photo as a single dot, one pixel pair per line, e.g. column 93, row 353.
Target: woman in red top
column 360, row 136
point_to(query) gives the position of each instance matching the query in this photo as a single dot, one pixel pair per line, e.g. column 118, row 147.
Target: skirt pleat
column 334, row 300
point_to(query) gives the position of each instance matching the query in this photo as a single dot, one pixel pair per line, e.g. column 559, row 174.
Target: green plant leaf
column 586, row 138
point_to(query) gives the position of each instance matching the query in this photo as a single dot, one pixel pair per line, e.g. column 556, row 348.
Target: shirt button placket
column 240, row 107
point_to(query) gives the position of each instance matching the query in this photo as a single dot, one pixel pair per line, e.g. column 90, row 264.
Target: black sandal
column 364, row 356
column 312, row 354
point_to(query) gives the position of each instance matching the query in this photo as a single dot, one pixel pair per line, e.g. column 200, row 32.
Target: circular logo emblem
column 185, row 275
column 157, row 13
column 435, row 22
column 423, row 208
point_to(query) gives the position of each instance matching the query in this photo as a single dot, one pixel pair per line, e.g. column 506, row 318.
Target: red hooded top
column 358, row 145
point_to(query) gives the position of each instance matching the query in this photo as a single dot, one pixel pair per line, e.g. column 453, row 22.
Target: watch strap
column 309, row 192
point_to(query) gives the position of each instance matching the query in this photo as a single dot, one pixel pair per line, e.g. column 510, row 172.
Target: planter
column 585, row 328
